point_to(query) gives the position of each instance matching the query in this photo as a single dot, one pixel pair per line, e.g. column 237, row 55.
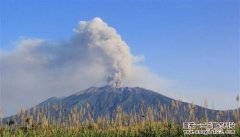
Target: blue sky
column 196, row 44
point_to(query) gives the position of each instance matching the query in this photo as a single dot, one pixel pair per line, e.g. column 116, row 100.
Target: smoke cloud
column 106, row 47
column 95, row 56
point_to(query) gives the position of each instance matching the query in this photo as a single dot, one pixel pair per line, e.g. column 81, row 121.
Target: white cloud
column 95, row 56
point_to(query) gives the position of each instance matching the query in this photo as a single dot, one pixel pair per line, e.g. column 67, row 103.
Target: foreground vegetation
column 121, row 126
column 80, row 122
column 144, row 129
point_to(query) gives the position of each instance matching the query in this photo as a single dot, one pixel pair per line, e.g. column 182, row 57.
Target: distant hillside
column 107, row 101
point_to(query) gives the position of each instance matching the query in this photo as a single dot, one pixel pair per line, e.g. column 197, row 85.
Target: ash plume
column 107, row 47
column 95, row 55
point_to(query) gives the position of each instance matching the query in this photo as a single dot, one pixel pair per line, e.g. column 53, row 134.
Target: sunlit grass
column 80, row 122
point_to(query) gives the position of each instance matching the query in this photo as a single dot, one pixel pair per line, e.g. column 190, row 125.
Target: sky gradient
column 194, row 44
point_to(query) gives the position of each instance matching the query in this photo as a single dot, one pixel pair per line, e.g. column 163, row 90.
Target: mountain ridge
column 103, row 101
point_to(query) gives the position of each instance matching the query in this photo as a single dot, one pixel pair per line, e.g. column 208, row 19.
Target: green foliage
column 143, row 129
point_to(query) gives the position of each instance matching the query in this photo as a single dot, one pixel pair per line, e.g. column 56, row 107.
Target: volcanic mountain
column 105, row 101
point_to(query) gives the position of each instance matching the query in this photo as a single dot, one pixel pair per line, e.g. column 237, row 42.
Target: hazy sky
column 193, row 44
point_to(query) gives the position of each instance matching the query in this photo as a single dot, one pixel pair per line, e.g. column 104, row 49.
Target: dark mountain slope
column 104, row 101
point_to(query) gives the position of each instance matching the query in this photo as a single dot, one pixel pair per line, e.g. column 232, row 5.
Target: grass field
column 145, row 129
column 129, row 125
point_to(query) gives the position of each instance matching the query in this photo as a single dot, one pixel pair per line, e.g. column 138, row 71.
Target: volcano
column 104, row 101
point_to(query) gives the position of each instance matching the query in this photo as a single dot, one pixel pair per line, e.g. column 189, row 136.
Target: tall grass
column 165, row 121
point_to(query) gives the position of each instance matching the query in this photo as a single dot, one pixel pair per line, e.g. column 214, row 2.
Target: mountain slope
column 105, row 101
